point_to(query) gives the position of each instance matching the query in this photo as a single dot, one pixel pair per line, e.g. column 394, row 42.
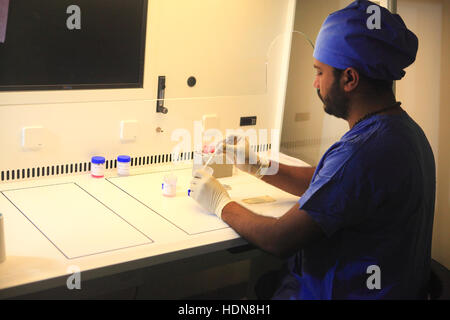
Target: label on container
column 123, row 168
column 97, row 170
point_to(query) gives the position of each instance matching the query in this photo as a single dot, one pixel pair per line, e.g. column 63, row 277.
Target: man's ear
column 350, row 79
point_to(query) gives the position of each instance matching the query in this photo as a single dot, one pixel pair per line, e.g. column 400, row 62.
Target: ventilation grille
column 70, row 168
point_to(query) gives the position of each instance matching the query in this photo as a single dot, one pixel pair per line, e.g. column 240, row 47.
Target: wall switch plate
column 210, row 121
column 302, row 116
column 128, row 130
column 33, row 138
column 211, row 127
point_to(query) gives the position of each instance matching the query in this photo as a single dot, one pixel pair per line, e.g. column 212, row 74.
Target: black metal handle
column 160, row 99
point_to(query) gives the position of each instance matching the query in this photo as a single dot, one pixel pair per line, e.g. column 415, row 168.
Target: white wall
column 224, row 43
column 425, row 95
column 307, row 130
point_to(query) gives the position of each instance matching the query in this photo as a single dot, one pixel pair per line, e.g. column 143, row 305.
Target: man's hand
column 208, row 192
column 237, row 148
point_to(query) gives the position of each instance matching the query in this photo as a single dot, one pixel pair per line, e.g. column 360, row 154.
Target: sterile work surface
column 114, row 224
column 186, row 214
column 61, row 211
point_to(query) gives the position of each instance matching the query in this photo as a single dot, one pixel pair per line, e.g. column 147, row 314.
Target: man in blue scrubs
column 363, row 226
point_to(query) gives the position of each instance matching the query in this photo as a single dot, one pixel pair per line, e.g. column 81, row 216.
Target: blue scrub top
column 373, row 195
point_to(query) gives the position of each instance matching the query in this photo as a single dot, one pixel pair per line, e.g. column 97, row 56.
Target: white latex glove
column 237, row 149
column 208, row 192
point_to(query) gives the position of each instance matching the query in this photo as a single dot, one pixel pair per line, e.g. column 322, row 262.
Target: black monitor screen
column 73, row 44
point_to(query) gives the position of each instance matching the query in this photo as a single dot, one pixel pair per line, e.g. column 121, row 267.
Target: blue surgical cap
column 345, row 40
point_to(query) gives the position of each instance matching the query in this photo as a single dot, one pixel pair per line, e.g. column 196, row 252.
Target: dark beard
column 336, row 102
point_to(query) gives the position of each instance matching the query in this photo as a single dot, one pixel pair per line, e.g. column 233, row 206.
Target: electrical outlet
column 33, row 138
column 211, row 125
column 128, row 130
column 302, row 116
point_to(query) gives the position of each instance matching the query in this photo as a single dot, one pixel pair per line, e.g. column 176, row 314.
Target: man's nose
column 316, row 83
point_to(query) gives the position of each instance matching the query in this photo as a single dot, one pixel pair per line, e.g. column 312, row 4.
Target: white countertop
column 113, row 224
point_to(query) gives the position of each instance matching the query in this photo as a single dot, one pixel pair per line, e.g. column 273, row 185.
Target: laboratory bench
column 121, row 235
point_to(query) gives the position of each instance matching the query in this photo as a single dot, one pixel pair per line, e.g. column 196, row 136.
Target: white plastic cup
column 2, row 240
column 123, row 165
column 208, row 170
column 98, row 167
column 169, row 185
